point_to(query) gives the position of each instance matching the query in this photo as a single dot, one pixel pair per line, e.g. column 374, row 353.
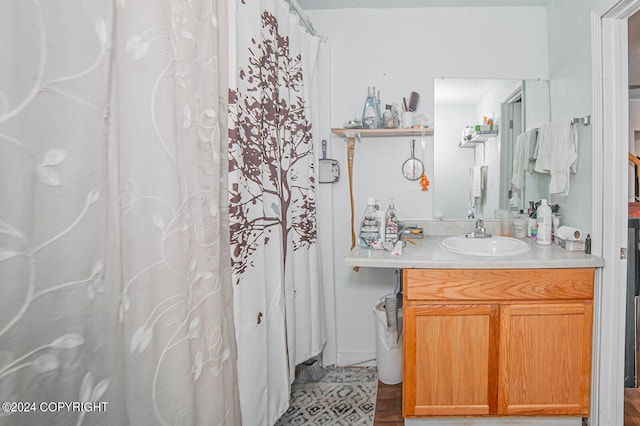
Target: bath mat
column 344, row 396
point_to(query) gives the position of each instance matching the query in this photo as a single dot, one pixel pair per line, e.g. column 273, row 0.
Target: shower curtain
column 275, row 258
column 115, row 285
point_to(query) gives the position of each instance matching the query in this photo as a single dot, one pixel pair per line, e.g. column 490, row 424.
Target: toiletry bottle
column 395, row 116
column 514, row 204
column 532, row 227
column 555, row 224
column 369, row 227
column 391, row 222
column 381, row 215
column 587, row 244
column 386, row 117
column 544, row 218
column 371, row 112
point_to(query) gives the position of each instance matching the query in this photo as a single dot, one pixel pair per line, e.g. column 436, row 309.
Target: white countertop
column 427, row 254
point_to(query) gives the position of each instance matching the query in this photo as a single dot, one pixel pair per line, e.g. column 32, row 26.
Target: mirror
column 464, row 139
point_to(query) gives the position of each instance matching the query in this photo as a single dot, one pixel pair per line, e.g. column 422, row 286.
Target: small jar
column 520, row 227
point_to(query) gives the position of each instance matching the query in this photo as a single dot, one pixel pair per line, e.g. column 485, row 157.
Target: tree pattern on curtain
column 269, row 139
column 277, row 290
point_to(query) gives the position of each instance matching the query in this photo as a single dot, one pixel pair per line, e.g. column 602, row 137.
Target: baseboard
column 496, row 421
column 359, row 359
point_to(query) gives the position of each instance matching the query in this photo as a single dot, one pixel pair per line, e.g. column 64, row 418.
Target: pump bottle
column 544, row 219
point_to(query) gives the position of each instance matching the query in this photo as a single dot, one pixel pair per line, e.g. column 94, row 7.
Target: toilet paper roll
column 569, row 233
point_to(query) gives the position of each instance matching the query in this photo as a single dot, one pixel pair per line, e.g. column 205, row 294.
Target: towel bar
column 586, row 120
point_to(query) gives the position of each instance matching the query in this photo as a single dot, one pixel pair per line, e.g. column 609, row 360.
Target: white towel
column 476, row 186
column 557, row 154
column 517, row 173
column 543, row 149
column 522, row 151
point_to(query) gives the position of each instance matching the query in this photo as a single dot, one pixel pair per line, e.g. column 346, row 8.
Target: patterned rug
column 344, row 396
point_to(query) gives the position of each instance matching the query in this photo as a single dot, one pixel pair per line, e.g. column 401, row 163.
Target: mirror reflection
column 476, row 125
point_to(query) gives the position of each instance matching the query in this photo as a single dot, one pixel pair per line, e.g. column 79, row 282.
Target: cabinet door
column 450, row 360
column 545, row 359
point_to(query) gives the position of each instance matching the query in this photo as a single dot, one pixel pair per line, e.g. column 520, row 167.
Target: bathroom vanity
column 491, row 337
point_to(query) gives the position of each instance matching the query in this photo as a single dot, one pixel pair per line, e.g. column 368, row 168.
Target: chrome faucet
column 479, row 232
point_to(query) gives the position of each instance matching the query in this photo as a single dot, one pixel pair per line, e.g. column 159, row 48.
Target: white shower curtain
column 275, row 258
column 115, row 286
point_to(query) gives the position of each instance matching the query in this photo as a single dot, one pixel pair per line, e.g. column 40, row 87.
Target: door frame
column 609, row 48
column 511, row 125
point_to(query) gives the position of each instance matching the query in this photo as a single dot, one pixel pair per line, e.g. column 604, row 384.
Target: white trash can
column 388, row 348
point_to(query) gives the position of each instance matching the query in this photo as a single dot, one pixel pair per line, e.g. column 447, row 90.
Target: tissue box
column 571, row 245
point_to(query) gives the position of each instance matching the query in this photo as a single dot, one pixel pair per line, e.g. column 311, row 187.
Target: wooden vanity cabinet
column 450, row 360
column 497, row 342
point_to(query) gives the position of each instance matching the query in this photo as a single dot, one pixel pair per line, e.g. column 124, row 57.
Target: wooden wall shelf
column 477, row 138
column 351, row 135
column 383, row 132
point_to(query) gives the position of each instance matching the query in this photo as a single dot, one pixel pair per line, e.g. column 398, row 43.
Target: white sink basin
column 492, row 246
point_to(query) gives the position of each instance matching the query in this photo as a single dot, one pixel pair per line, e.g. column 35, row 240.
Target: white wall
column 537, row 111
column 324, row 214
column 569, row 24
column 452, row 163
column 400, row 50
column 570, row 87
column 600, row 7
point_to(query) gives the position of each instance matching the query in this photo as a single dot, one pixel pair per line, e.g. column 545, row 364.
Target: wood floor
column 389, row 406
column 632, row 407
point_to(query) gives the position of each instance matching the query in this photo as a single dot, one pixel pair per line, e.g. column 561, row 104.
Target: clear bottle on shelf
column 370, row 226
column 371, row 112
column 391, row 224
column 386, row 117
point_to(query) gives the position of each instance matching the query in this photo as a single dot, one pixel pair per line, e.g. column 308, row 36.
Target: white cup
column 407, row 119
column 520, row 227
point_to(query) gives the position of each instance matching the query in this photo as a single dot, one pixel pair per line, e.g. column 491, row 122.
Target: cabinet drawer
column 498, row 284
